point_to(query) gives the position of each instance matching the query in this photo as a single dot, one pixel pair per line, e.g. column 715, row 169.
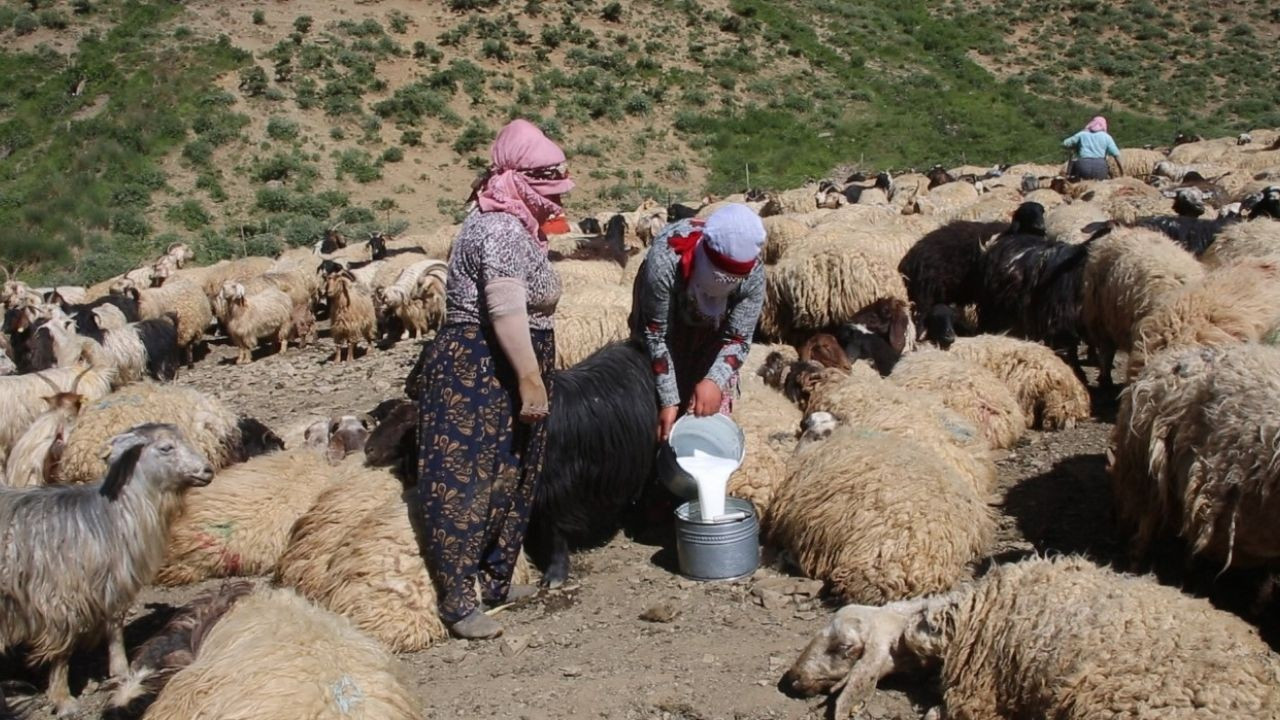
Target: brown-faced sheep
column 1049, row 393
column 967, row 388
column 274, row 655
column 1238, row 302
column 36, row 456
column 879, row 518
column 352, row 316
column 1128, row 274
column 1057, row 639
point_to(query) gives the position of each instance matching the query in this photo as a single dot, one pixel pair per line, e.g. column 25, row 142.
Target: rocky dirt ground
column 629, row 638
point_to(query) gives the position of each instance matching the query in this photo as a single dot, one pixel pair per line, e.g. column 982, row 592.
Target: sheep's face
column 347, row 434
column 123, row 286
column 232, row 292
column 159, row 453
column 831, row 654
column 816, row 427
column 108, row 317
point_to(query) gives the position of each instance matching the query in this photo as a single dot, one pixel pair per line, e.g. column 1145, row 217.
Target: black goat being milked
column 601, row 448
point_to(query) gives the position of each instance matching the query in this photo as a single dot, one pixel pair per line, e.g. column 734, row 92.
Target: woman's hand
column 707, row 397
column 666, row 418
column 534, row 404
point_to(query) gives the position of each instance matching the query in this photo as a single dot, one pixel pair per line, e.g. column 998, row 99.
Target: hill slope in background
column 248, row 127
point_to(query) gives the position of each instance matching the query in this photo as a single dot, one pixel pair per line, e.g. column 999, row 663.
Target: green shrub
column 392, row 154
column 130, row 223
column 496, row 50
column 259, row 17
column 282, row 166
column 53, row 19
column 25, row 24
column 358, row 164
column 412, row 138
column 209, row 183
column 612, row 12
column 198, row 152
column 253, row 81
column 398, row 21
column 190, row 214
column 337, row 133
column 272, row 199
column 282, row 128
column 302, row 24
column 474, row 135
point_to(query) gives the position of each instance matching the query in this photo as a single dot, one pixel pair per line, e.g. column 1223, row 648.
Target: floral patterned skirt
column 477, row 464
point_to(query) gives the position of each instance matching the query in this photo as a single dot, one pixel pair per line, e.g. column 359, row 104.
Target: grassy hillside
column 126, row 124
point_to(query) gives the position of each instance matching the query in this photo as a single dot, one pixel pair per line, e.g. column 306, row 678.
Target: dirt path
column 707, row 651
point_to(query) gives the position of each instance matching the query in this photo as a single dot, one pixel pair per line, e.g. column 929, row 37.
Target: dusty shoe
column 476, row 626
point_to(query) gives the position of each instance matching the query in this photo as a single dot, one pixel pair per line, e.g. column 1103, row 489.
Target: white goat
column 35, row 456
column 412, row 296
column 22, row 396
column 267, row 313
column 52, row 599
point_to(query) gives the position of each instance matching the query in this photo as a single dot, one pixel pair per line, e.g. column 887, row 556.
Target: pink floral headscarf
column 509, row 187
column 1097, row 124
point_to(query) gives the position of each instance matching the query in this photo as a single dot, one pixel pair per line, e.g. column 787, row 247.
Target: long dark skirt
column 693, row 352
column 1090, row 168
column 477, row 464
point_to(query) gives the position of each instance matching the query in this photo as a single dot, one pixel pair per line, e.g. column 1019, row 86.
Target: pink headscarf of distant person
column 527, row 175
column 1097, row 124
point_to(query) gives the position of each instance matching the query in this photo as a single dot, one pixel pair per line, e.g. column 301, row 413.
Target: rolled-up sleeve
column 655, row 310
column 739, row 327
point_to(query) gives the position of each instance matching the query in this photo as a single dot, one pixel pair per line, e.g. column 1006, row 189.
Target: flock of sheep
column 914, row 327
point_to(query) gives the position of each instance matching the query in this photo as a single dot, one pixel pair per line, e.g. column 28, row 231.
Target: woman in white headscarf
column 695, row 306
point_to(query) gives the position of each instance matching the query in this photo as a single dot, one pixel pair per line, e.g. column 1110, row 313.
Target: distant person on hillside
column 1092, row 146
column 695, row 305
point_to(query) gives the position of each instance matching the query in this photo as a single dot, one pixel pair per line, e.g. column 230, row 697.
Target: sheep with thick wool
column 251, row 318
column 204, row 419
column 22, row 397
column 149, row 347
column 1075, row 222
column 864, row 401
column 186, row 300
column 275, row 655
column 812, row 291
column 1058, row 638
column 1193, row 454
column 589, row 319
column 352, row 317
column 1135, row 163
column 376, row 578
column 239, row 526
column 769, row 423
column 879, row 518
column 967, row 388
column 1259, row 237
column 210, row 278
column 1237, row 302
column 36, row 456
column 1049, row 393
column 417, row 296
column 947, row 198
column 1128, row 274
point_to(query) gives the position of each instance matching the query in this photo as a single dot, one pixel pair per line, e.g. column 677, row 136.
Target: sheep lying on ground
column 1049, row 393
column 1255, row 238
column 203, row 419
column 75, row 557
column 590, row 319
column 274, row 655
column 1128, row 274
column 879, row 518
column 967, row 388
column 1238, row 302
column 865, row 402
column 824, row 288
column 240, row 525
column 1193, row 450
column 1055, row 639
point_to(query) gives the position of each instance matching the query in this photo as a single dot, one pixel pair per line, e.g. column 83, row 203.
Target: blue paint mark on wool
column 347, row 694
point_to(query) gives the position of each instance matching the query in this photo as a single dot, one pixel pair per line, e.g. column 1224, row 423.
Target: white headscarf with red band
column 731, row 241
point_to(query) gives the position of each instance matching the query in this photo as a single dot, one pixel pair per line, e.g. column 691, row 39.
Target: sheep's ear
column 876, row 662
column 125, row 451
column 336, row 451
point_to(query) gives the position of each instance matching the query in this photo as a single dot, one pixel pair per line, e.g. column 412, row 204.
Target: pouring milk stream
column 711, row 473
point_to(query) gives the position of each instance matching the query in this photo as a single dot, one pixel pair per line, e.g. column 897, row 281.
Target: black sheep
column 940, row 325
column 589, row 226
column 1269, row 205
column 676, row 211
column 159, row 337
column 377, row 246
column 945, row 266
column 601, row 447
column 83, row 312
column 938, row 175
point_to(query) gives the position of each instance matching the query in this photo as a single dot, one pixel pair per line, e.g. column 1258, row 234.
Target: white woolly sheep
column 205, row 421
column 36, row 455
column 122, row 343
column 352, row 317
column 1193, row 451
column 320, row 531
column 769, row 422
column 417, row 295
column 1237, row 302
column 1256, row 238
column 781, row 231
column 240, row 524
column 377, row 579
column 812, row 291
column 240, row 270
column 1075, row 222
column 22, row 396
column 1128, row 274
column 1134, row 162
column 588, row 320
column 274, row 655
column 264, row 314
column 879, row 518
column 75, row 557
column 1049, row 393
column 946, row 198
column 864, row 401
column 1058, row 638
column 967, row 388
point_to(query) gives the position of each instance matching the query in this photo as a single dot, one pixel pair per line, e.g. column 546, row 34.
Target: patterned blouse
column 495, row 245
column 664, row 305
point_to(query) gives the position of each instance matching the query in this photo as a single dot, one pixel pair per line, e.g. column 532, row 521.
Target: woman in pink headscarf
column 1092, row 146
column 483, row 391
